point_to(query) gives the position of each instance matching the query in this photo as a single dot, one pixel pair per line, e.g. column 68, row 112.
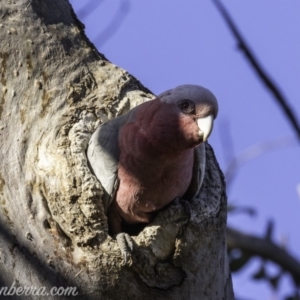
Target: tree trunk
column 55, row 90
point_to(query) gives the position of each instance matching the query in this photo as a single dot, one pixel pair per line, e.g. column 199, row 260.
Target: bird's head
column 193, row 109
column 180, row 118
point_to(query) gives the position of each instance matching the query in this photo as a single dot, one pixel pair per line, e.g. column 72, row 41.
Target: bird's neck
column 154, row 159
column 157, row 170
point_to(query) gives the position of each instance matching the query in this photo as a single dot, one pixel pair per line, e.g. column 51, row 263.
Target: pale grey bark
column 55, row 89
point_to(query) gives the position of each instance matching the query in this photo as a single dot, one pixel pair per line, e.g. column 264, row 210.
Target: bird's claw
column 187, row 207
column 125, row 243
column 181, row 211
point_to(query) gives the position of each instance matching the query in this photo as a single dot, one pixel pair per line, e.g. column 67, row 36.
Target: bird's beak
column 205, row 126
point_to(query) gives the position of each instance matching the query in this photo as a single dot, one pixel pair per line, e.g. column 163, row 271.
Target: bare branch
column 114, row 25
column 264, row 248
column 90, row 7
column 274, row 89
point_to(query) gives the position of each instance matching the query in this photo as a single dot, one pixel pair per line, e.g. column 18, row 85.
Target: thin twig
column 253, row 152
column 227, row 141
column 88, row 8
column 298, row 189
column 283, row 103
column 114, row 25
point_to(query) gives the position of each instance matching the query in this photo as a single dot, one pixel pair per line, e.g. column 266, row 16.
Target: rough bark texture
column 55, row 90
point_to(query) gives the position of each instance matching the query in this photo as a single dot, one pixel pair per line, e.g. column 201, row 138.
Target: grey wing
column 103, row 156
column 198, row 172
column 200, row 152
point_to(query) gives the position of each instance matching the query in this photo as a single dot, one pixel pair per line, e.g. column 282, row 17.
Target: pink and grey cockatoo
column 152, row 155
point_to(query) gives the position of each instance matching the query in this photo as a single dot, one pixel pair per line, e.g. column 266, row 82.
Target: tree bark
column 55, row 90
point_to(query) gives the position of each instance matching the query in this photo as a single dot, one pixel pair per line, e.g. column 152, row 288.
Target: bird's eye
column 187, row 106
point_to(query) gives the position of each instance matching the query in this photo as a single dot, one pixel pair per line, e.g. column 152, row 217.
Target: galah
column 152, row 155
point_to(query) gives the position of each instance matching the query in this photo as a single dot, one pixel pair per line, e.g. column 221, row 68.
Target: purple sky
column 165, row 43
